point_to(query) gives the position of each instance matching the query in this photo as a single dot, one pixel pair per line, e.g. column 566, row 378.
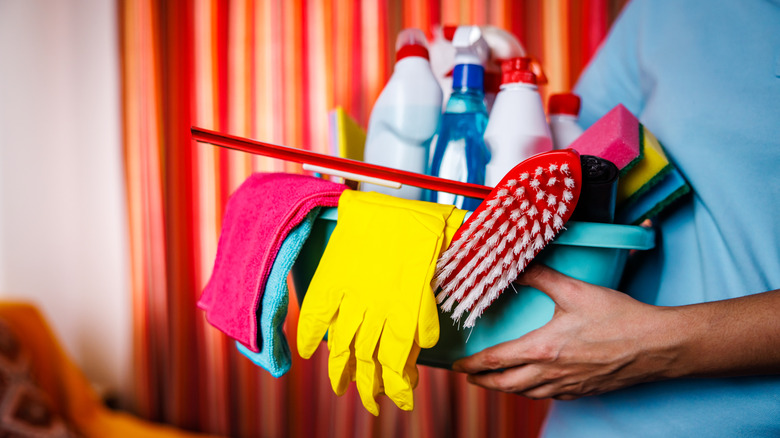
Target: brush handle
column 340, row 164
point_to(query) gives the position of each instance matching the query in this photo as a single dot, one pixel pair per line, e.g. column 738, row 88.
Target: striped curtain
column 272, row 70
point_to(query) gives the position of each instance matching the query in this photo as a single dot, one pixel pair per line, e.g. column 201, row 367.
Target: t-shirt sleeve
column 613, row 74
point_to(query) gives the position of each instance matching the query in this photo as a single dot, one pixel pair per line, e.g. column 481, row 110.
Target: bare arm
column 601, row 340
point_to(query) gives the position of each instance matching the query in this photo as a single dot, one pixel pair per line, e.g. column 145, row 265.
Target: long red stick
column 338, row 163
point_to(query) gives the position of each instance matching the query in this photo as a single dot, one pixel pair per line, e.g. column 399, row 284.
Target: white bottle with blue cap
column 405, row 116
column 459, row 152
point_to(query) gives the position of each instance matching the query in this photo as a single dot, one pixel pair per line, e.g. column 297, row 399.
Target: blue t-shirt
column 704, row 77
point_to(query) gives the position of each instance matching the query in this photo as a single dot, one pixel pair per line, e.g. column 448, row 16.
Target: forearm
column 734, row 337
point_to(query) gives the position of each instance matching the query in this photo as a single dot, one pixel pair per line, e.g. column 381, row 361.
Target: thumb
column 561, row 288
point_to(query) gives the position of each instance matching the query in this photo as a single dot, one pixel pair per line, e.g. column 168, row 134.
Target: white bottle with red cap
column 517, row 128
column 405, row 116
column 564, row 111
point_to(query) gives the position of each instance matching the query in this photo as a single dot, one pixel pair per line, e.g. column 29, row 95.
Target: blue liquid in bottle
column 459, row 152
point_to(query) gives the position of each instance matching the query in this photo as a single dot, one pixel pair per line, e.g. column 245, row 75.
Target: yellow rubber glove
column 372, row 293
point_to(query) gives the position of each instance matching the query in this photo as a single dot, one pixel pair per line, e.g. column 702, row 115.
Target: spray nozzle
column 470, row 46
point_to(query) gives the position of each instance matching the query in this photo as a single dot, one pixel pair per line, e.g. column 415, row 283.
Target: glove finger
column 318, row 310
column 368, row 377
column 428, row 315
column 410, row 370
column 341, row 338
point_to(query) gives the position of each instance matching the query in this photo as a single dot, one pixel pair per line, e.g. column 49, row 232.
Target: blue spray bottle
column 459, row 152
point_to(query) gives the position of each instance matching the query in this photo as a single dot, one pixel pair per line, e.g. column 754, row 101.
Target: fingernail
column 457, row 367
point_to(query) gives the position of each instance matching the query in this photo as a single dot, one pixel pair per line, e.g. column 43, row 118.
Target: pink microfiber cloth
column 258, row 217
column 614, row 137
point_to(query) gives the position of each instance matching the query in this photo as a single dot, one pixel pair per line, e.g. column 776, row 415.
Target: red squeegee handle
column 338, row 163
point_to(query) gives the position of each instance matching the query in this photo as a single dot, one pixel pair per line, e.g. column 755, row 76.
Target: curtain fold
column 272, row 70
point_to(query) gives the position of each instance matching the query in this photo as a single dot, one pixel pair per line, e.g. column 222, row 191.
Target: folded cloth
column 258, row 217
column 274, row 355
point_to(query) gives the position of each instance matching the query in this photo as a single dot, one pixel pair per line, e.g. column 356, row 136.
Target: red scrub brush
column 523, row 213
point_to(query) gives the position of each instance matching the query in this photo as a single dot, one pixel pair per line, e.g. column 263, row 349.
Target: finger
column 519, row 380
column 556, row 285
column 504, row 355
column 368, row 377
column 318, row 309
column 410, row 370
column 428, row 330
column 341, row 335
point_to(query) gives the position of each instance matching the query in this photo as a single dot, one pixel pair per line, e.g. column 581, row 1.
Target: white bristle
column 468, row 300
column 493, row 240
column 538, row 242
column 492, row 203
column 507, row 201
column 501, row 246
column 567, row 196
column 524, row 205
column 503, row 227
column 529, row 254
column 534, row 183
column 481, row 217
column 568, row 182
column 502, row 192
column 546, row 216
column 523, row 176
column 522, row 222
column 551, row 200
column 523, row 242
column 539, row 171
column 553, row 167
column 508, row 257
column 498, row 212
column 536, row 228
column 511, row 183
column 532, row 211
column 511, row 235
column 565, row 168
column 562, row 209
column 540, row 195
column 441, row 296
column 488, row 224
column 551, row 182
column 478, row 235
column 557, row 222
column 548, row 233
column 447, row 305
column 515, row 214
column 519, row 192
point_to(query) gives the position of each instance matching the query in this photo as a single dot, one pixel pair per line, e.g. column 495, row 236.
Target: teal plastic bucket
column 591, row 252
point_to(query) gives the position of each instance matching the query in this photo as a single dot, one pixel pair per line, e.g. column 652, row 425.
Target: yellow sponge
column 648, row 172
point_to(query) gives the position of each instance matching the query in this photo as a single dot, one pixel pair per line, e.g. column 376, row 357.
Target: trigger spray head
column 470, row 46
column 471, row 54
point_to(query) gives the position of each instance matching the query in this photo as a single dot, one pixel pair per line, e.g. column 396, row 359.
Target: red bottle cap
column 516, row 70
column 410, row 42
column 564, row 103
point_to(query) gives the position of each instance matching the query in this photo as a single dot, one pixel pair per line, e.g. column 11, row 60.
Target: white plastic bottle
column 517, row 128
column 405, row 116
column 564, row 111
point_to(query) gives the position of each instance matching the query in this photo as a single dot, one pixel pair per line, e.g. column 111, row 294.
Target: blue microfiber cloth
column 274, row 355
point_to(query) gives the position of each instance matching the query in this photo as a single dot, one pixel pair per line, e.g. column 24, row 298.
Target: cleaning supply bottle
column 459, row 152
column 564, row 110
column 518, row 127
column 405, row 116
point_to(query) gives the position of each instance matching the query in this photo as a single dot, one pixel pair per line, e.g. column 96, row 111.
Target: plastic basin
column 592, row 252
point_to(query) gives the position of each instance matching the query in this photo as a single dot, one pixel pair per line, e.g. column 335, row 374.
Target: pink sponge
column 614, row 137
